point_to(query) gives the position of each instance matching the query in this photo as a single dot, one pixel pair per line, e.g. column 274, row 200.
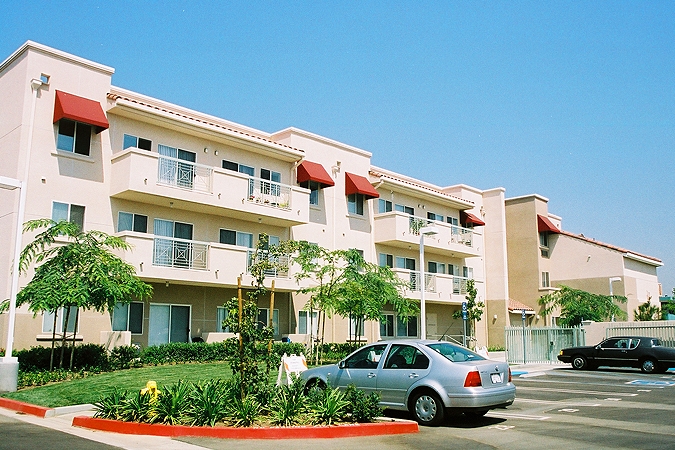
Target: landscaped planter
column 300, row 432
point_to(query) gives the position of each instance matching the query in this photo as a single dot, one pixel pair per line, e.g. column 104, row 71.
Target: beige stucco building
column 543, row 256
column 192, row 192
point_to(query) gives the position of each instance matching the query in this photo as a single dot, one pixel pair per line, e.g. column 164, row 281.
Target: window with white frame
column 233, row 237
column 63, row 314
column 71, row 213
column 304, row 322
column 384, row 206
column 467, row 272
column 405, row 263
column 355, row 204
column 313, row 187
column 137, row 142
column 405, row 209
column 545, row 280
column 434, row 216
column 543, row 244
column 128, row 317
column 387, row 325
column 356, row 325
column 391, row 325
column 74, row 137
column 435, row 267
column 386, row 260
column 221, row 315
column 452, row 220
column 132, row 222
column 264, row 319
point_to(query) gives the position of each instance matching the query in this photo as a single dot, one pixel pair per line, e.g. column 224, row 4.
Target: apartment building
column 543, row 256
column 192, row 193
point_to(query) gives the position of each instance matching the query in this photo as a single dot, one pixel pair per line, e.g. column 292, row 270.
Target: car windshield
column 455, row 353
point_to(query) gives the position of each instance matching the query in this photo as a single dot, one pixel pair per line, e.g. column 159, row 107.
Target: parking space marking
column 651, row 383
column 501, row 427
column 613, row 399
column 554, row 402
column 575, row 391
column 506, row 415
column 570, row 410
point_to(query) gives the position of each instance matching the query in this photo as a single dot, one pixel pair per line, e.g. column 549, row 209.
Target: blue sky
column 572, row 100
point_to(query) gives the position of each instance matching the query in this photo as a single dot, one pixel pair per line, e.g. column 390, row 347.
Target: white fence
column 540, row 345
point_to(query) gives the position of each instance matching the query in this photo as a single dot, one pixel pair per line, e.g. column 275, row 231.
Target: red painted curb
column 26, row 408
column 352, row 430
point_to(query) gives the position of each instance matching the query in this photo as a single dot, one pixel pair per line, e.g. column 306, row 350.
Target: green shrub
column 184, row 352
column 172, row 404
column 362, row 408
column 288, row 403
column 136, row 407
column 90, row 357
column 327, row 406
column 124, row 357
column 208, row 402
column 109, row 407
column 244, row 413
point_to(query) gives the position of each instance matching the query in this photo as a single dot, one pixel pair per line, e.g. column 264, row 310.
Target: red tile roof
column 609, row 246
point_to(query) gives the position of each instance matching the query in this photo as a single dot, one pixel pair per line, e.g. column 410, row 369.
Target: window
column 545, row 281
column 303, row 322
column 236, row 167
column 406, row 357
column 355, row 204
column 356, row 327
column 264, row 319
column 61, row 313
column 543, row 244
column 221, row 315
column 406, row 329
column 128, row 317
column 467, row 272
column 405, row 263
column 232, row 237
column 133, row 141
column 272, row 187
column 405, row 209
column 452, row 270
column 74, row 137
column 435, row 267
column 384, row 206
column 172, row 246
column 452, row 220
column 387, row 325
column 314, row 193
column 71, row 213
column 168, row 323
column 434, row 216
column 366, row 358
column 386, row 260
column 176, row 173
column 132, row 222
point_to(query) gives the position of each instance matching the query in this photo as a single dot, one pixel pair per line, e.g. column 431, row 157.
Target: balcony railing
column 180, row 253
column 459, row 285
column 429, row 281
column 458, row 235
column 280, row 264
column 269, row 193
column 184, row 174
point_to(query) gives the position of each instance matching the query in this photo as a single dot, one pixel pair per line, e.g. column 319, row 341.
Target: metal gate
column 540, row 345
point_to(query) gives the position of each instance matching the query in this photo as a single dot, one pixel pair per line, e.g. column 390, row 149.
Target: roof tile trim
column 417, row 185
column 609, row 246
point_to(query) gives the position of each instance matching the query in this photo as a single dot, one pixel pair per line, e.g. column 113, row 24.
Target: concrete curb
column 26, row 408
column 302, row 432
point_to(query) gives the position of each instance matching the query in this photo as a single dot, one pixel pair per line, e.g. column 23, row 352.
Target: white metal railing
column 280, row 264
column 429, row 281
column 459, row 285
column 269, row 193
column 458, row 235
column 180, row 253
column 184, row 174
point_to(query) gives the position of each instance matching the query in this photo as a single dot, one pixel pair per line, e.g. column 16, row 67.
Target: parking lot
column 554, row 409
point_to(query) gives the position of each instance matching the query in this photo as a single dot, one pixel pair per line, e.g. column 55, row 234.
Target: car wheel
column 476, row 414
column 649, row 366
column 579, row 362
column 428, row 409
column 315, row 384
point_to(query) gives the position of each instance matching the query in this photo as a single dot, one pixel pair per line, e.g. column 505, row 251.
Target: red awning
column 516, row 306
column 310, row 171
column 79, row 109
column 544, row 225
column 469, row 219
column 356, row 184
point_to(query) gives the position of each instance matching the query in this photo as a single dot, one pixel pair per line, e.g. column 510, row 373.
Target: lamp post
column 9, row 365
column 424, row 231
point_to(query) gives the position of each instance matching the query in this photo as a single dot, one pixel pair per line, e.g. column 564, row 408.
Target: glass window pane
column 66, row 136
column 163, row 228
column 302, row 322
column 125, row 222
column 250, row 171
column 221, row 315
column 245, row 240
column 314, row 197
column 144, row 144
column 59, row 211
column 82, row 139
column 77, row 215
column 120, row 317
column 71, row 313
column 48, row 321
column 229, row 165
column 129, row 141
column 136, row 317
column 140, row 223
column 228, row 237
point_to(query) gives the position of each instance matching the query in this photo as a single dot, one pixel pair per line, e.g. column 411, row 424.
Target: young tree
column 82, row 273
column 577, row 305
column 474, row 309
column 647, row 312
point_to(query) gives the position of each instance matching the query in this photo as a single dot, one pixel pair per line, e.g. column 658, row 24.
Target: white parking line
column 575, row 391
column 505, row 415
column 554, row 402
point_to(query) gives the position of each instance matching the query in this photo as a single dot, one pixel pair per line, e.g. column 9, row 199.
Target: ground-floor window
column 221, row 315
column 169, row 323
column 392, row 325
column 61, row 313
column 128, row 317
column 304, row 322
column 264, row 319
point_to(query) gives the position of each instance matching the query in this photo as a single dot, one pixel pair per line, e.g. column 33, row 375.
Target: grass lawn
column 92, row 388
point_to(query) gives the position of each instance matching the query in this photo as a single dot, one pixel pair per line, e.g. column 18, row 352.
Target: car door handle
column 371, row 375
column 413, row 375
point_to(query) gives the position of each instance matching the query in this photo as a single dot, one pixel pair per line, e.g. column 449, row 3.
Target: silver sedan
column 423, row 377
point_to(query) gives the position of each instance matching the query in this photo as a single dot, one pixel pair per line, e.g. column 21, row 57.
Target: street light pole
column 424, row 231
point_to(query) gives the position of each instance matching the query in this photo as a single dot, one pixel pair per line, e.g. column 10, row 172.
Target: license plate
column 497, row 378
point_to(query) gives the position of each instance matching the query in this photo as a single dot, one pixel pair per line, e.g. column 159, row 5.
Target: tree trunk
column 72, row 351
column 51, row 356
column 63, row 338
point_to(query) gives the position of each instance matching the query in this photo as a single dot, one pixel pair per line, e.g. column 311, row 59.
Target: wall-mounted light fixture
column 206, row 149
column 166, row 284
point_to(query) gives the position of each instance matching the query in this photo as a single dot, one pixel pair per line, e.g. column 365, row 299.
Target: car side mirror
column 597, row 347
column 341, row 364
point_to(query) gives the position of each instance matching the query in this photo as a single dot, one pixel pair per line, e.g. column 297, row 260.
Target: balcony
column 162, row 259
column 146, row 177
column 401, row 230
column 439, row 287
